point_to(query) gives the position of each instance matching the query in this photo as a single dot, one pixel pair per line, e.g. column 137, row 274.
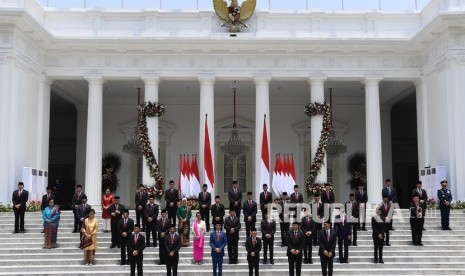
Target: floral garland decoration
column 150, row 109
column 313, row 109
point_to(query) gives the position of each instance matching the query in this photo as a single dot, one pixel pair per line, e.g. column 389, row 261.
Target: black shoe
column 272, row 262
column 420, row 244
column 122, row 263
column 414, row 243
column 387, row 244
column 16, row 232
column 381, row 262
column 355, row 244
column 42, row 232
column 147, row 245
column 447, row 228
column 341, row 262
column 112, row 246
column 346, row 261
column 305, row 261
column 24, row 231
column 314, row 244
column 392, row 229
column 231, row 262
column 310, row 262
column 264, row 261
column 75, row 231
column 364, row 229
column 423, row 229
column 376, row 261
column 350, row 243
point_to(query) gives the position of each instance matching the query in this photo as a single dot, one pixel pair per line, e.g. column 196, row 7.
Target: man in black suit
column 218, row 212
column 361, row 197
column 353, row 212
column 344, row 234
column 327, row 196
column 417, row 220
column 379, row 227
column 318, row 212
column 308, row 227
column 391, row 194
column 151, row 214
column 297, row 199
column 83, row 212
column 172, row 198
column 327, row 244
column 19, row 199
column 125, row 228
column 386, row 214
column 141, row 200
column 250, row 214
column 422, row 195
column 136, row 246
column 232, row 225
column 172, row 245
column 205, row 202
column 235, row 199
column 253, row 245
column 163, row 229
column 265, row 199
column 76, row 202
column 45, row 199
column 268, row 228
column 284, row 218
column 295, row 244
column 116, row 212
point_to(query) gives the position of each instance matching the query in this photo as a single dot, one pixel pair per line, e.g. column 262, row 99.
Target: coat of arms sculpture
column 234, row 15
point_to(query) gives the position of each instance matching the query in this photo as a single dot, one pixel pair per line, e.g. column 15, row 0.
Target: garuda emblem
column 234, row 15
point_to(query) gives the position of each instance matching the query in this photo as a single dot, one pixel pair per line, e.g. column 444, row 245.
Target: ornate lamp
column 235, row 147
column 335, row 147
column 133, row 146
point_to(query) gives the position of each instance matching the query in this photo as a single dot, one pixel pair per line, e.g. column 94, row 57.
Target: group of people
column 299, row 239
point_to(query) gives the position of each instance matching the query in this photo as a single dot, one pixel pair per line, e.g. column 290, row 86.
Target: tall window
column 235, row 170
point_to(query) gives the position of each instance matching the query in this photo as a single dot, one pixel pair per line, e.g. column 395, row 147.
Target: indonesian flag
column 185, row 183
column 208, row 161
column 286, row 175
column 194, row 177
column 180, row 172
column 292, row 171
column 274, row 185
column 265, row 163
column 279, row 176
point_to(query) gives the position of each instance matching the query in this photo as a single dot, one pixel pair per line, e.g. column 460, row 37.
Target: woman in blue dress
column 51, row 218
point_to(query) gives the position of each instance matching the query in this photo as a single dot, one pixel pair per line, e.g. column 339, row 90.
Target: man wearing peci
column 205, row 202
column 151, row 214
column 19, row 199
column 344, row 235
column 353, row 212
column 308, row 227
column 218, row 241
column 172, row 246
column 218, row 212
column 295, row 244
column 136, row 246
column 327, row 244
column 250, row 214
column 125, row 228
column 266, row 198
column 232, row 225
column 361, row 197
column 163, row 229
column 76, row 202
column 116, row 212
column 268, row 228
column 172, row 198
column 141, row 199
column 235, row 199
column 253, row 245
column 391, row 193
column 284, row 219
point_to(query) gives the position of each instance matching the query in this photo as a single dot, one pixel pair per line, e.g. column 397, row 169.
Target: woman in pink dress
column 198, row 227
column 107, row 200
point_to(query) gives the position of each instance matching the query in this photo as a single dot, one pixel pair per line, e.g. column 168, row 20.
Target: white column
column 317, row 94
column 262, row 108
column 93, row 185
column 43, row 123
column 151, row 95
column 373, row 139
column 422, row 126
column 207, row 107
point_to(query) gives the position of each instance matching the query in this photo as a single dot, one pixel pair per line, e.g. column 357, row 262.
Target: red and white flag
column 279, row 176
column 274, row 185
column 208, row 161
column 185, row 183
column 194, row 177
column 180, row 172
column 265, row 157
column 286, row 175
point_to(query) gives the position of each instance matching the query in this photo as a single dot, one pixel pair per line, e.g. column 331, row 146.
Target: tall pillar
column 317, row 94
column 43, row 123
column 422, row 126
column 207, row 107
column 151, row 95
column 93, row 185
column 262, row 109
column 373, row 139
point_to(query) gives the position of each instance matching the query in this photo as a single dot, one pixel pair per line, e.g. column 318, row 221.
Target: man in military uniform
column 445, row 198
column 417, row 220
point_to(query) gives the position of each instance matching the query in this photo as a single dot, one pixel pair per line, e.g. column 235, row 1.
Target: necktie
column 235, row 191
column 163, row 223
column 385, row 206
column 140, row 196
column 204, row 196
column 327, row 194
column 48, row 197
column 295, row 235
column 265, row 195
column 327, row 235
column 116, row 207
column 361, row 192
column 296, row 196
column 125, row 222
column 136, row 237
column 218, row 236
column 19, row 193
column 308, row 220
column 172, row 238
column 342, row 219
column 253, row 242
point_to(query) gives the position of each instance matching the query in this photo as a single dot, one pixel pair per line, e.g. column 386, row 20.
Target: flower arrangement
column 33, row 206
column 313, row 109
column 150, row 110
column 193, row 203
column 6, row 208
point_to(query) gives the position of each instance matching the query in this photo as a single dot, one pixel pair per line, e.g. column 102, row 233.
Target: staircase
column 443, row 252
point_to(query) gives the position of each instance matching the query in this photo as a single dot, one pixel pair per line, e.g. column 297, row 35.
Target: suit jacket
column 297, row 199
column 141, row 200
column 125, row 229
column 283, row 212
column 232, row 224
column 378, row 225
column 268, row 228
column 443, row 196
column 361, row 198
column 352, row 209
column 392, row 196
column 171, row 197
column 295, row 242
column 112, row 209
column 77, row 199
column 20, row 199
column 325, row 199
column 318, row 211
column 172, row 246
column 163, row 228
column 44, row 203
column 414, row 210
column 235, row 197
column 151, row 212
column 250, row 247
column 221, row 243
column 325, row 244
column 269, row 199
column 250, row 210
column 422, row 195
column 205, row 200
column 385, row 211
column 217, row 212
column 342, row 230
column 139, row 246
column 308, row 225
column 83, row 211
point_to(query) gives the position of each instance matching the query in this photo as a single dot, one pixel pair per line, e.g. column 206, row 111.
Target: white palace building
column 69, row 79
